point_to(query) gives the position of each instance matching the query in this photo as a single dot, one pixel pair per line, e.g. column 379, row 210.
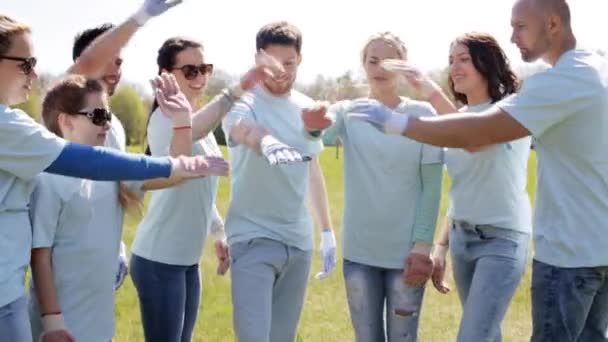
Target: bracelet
column 51, row 313
column 181, row 127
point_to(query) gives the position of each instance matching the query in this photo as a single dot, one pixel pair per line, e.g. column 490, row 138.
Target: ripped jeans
column 378, row 297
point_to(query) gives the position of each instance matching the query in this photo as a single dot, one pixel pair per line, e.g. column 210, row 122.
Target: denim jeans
column 488, row 264
column 169, row 296
column 15, row 322
column 378, row 295
column 269, row 280
column 569, row 304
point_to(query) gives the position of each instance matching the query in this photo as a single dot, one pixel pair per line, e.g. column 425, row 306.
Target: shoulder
column 415, row 107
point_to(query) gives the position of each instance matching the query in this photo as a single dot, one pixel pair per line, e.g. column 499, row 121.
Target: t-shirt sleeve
column 26, row 147
column 547, row 99
column 160, row 134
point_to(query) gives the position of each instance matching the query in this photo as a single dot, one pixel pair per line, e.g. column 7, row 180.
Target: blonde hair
column 68, row 96
column 9, row 28
column 389, row 38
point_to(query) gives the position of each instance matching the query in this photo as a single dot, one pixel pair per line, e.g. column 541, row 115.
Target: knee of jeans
column 404, row 301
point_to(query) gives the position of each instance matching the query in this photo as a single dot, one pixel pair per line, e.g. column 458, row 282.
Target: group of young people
column 63, row 195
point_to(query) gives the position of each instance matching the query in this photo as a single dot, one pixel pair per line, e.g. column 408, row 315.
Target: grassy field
column 325, row 317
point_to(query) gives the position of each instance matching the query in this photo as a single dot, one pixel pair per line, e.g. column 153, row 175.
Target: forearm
column 42, row 274
column 217, row 224
column 443, row 235
column 464, row 130
column 248, row 133
column 105, row 48
column 160, row 183
column 98, row 163
column 425, row 221
column 181, row 141
column 442, row 103
column 319, row 203
column 211, row 115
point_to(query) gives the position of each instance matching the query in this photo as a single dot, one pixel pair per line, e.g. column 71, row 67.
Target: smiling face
column 193, row 88
column 463, row 74
column 15, row 78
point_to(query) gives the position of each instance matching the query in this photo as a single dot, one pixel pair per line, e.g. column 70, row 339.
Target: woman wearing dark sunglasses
column 169, row 241
column 27, row 149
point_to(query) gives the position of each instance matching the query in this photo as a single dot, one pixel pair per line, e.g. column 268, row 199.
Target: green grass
column 325, row 316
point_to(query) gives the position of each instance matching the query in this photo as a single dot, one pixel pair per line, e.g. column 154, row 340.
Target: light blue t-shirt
column 489, row 186
column 270, row 201
column 26, row 149
column 566, row 110
column 81, row 221
column 174, row 229
column 382, row 186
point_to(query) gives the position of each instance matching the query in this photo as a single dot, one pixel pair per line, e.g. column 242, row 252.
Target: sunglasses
column 191, row 71
column 27, row 65
column 98, row 116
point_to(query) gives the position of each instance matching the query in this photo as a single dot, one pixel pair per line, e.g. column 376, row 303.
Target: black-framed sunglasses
column 98, row 116
column 27, row 65
column 191, row 71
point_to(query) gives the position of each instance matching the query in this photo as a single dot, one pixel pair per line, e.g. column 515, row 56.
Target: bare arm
column 42, row 273
column 442, row 103
column 104, row 49
column 443, row 235
column 464, row 130
column 319, row 203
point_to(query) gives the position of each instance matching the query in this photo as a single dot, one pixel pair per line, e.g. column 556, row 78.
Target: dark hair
column 280, row 33
column 68, row 96
column 86, row 37
column 491, row 62
column 166, row 59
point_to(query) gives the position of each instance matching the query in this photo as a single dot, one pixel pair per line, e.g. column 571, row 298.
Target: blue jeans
column 488, row 264
column 269, row 280
column 569, row 304
column 369, row 291
column 15, row 322
column 169, row 296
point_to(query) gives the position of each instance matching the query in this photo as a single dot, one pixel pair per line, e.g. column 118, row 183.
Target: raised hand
column 171, row 101
column 266, row 66
column 414, row 76
column 153, row 8
column 316, row 118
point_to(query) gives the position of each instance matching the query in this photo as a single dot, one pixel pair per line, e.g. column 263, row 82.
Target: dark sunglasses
column 98, row 116
column 191, row 71
column 27, row 65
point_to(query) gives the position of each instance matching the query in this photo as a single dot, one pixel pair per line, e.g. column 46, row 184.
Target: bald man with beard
column 566, row 109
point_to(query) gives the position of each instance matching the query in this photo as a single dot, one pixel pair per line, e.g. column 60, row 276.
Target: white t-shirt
column 26, row 149
column 81, row 221
column 270, row 201
column 489, row 186
column 174, row 229
column 566, row 110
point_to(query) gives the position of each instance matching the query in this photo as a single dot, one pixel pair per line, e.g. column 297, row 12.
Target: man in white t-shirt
column 269, row 229
column 565, row 108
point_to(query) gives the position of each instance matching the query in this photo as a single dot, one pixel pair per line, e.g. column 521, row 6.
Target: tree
column 128, row 106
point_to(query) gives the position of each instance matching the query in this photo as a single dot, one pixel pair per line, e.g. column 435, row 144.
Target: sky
column 334, row 31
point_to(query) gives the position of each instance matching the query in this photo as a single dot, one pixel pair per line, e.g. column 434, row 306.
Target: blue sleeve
column 428, row 204
column 104, row 164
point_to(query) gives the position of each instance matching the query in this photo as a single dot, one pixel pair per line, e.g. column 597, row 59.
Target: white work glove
column 328, row 253
column 123, row 266
column 153, row 8
column 277, row 152
column 379, row 115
